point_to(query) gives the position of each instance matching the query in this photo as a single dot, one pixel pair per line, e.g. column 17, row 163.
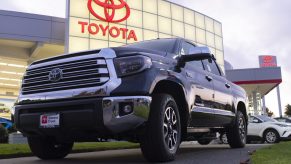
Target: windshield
column 267, row 119
column 164, row 45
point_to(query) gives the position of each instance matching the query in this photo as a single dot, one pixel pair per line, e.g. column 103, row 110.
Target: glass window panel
column 199, row 20
column 150, row 6
column 115, row 44
column 219, row 57
column 98, row 44
column 150, row 21
column 190, row 32
column 164, row 8
column 189, row 17
column 135, row 4
column 177, row 12
column 75, row 46
column 210, row 39
column 218, row 43
column 161, row 35
column 148, row 35
column 75, row 7
column 165, row 25
column 200, row 36
column 209, row 24
column 135, row 19
column 76, row 28
column 218, row 28
column 212, row 50
column 101, row 34
column 178, row 28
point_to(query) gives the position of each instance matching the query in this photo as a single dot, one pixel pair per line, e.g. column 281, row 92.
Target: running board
column 201, row 130
column 198, row 130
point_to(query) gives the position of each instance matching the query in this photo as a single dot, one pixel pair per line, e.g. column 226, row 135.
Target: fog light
column 125, row 109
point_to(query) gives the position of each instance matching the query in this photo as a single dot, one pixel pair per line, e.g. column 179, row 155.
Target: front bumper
column 286, row 136
column 98, row 116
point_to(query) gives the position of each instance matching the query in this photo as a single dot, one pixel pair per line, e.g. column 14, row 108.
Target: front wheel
column 163, row 130
column 47, row 148
column 237, row 134
column 271, row 136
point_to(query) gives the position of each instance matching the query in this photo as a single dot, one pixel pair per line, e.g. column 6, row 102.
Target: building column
column 279, row 101
column 264, row 106
column 255, row 104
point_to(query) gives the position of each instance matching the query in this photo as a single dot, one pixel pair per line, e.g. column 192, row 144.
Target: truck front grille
column 70, row 75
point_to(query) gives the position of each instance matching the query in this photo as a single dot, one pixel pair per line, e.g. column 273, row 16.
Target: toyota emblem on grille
column 55, row 75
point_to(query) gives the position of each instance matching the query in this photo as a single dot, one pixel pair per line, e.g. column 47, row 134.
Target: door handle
column 227, row 85
column 209, row 78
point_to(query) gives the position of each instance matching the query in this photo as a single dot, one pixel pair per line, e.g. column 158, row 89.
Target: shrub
column 3, row 134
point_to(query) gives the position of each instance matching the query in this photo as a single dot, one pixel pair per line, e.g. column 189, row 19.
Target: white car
column 267, row 129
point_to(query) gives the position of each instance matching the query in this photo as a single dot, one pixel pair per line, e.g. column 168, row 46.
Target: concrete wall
column 254, row 74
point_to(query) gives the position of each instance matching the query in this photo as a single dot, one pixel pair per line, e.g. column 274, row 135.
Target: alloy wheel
column 271, row 137
column 170, row 128
column 242, row 129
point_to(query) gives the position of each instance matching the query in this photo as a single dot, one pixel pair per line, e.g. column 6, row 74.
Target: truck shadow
column 134, row 156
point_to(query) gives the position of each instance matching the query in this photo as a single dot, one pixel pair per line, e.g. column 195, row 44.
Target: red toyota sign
column 110, row 7
column 268, row 61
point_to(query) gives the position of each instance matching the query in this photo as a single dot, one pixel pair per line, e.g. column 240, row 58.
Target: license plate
column 50, row 120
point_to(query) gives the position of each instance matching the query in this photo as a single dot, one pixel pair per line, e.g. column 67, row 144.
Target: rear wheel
column 237, row 134
column 163, row 130
column 271, row 136
column 47, row 148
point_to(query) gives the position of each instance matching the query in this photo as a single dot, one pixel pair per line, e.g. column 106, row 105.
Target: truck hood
column 125, row 51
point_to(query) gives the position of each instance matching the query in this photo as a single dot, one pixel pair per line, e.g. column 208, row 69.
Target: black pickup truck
column 158, row 93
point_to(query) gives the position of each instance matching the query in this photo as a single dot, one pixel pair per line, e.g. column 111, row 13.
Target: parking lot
column 189, row 153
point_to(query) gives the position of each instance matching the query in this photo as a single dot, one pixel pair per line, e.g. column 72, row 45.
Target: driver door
column 254, row 126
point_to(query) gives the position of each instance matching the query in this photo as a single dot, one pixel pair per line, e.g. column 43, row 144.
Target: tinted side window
column 211, row 66
column 185, row 50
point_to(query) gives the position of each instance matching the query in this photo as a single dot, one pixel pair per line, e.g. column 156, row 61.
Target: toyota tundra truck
column 158, row 93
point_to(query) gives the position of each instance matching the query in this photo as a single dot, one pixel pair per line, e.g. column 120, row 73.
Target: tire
column 204, row 141
column 163, row 130
column 237, row 134
column 271, row 136
column 47, row 148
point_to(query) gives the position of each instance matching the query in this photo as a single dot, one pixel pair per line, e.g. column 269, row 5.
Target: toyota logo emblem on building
column 110, row 7
column 55, row 75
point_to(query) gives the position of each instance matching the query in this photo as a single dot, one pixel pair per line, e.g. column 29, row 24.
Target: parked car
column 158, row 93
column 6, row 123
column 267, row 129
column 283, row 119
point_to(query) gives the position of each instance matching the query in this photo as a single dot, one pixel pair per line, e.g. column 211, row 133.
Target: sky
column 250, row 28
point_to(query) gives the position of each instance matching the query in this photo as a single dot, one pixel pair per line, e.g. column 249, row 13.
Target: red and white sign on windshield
column 268, row 61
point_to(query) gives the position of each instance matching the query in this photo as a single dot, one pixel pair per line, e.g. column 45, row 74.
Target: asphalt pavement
column 189, row 153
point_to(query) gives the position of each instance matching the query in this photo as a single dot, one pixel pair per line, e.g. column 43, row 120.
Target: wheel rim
column 170, row 128
column 271, row 137
column 242, row 129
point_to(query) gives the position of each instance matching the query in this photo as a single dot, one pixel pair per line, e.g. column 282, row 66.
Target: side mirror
column 196, row 53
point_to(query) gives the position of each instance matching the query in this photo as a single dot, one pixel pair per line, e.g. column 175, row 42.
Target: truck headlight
column 130, row 65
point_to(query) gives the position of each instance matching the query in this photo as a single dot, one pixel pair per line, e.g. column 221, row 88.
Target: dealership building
column 92, row 24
